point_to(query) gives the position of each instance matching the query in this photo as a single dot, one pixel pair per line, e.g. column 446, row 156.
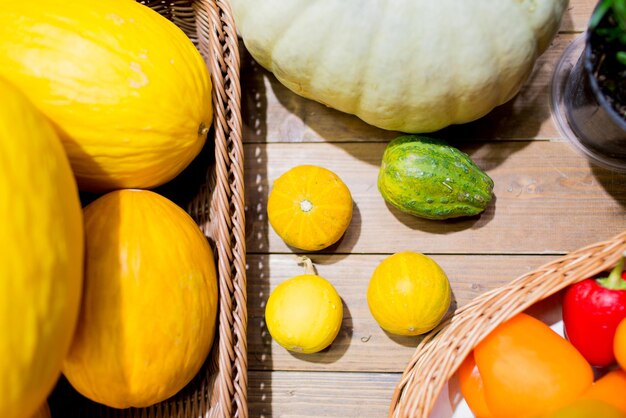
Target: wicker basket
column 217, row 205
column 440, row 353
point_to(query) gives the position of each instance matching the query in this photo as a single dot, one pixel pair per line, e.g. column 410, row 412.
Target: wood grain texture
column 272, row 113
column 362, row 345
column 577, row 15
column 324, row 394
column 548, row 201
column 544, row 192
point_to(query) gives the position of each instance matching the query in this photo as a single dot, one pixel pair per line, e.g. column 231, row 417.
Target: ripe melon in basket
column 149, row 304
column 41, row 263
column 42, row 412
column 126, row 89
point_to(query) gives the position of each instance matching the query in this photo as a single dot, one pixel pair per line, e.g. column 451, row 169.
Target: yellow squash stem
column 309, row 268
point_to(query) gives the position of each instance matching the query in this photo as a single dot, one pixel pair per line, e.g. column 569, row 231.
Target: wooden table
column 549, row 201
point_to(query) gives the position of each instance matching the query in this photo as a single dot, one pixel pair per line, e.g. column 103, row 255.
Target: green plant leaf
column 619, row 11
column 599, row 13
column 610, row 34
column 621, row 57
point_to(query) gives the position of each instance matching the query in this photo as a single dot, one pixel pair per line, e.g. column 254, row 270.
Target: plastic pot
column 582, row 111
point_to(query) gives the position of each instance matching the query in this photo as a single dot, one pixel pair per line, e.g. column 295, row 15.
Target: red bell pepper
column 592, row 309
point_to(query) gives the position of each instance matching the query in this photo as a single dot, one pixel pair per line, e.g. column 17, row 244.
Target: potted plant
column 589, row 88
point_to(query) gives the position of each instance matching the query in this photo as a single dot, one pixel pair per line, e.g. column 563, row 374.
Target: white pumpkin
column 405, row 65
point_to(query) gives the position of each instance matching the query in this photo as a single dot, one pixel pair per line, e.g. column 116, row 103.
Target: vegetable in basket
column 41, row 265
column 125, row 88
column 528, row 370
column 619, row 344
column 610, row 388
column 587, row 408
column 472, row 387
column 149, row 303
column 592, row 309
column 43, row 411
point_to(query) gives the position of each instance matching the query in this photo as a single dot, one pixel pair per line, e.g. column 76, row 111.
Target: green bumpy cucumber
column 427, row 178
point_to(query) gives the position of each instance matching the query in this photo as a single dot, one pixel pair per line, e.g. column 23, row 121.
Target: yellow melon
column 149, row 304
column 42, row 412
column 309, row 207
column 304, row 313
column 408, row 294
column 127, row 90
column 41, row 262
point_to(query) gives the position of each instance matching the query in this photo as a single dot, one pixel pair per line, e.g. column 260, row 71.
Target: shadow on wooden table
column 515, row 119
column 517, row 115
column 254, row 114
column 612, row 182
column 297, row 119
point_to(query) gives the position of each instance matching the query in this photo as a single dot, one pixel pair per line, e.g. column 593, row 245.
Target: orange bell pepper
column 619, row 344
column 610, row 388
column 608, row 391
column 472, row 387
column 529, row 370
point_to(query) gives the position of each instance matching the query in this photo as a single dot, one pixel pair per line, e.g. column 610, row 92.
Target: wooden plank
column 313, row 395
column 577, row 15
column 361, row 341
column 548, row 200
column 272, row 113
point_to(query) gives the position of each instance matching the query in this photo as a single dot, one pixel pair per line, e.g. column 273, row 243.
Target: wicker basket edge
column 440, row 353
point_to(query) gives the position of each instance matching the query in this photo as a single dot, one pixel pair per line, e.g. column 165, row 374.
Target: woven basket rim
column 440, row 353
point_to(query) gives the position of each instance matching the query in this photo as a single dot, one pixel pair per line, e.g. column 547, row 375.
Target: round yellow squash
column 41, row 263
column 309, row 207
column 408, row 294
column 149, row 304
column 304, row 313
column 128, row 92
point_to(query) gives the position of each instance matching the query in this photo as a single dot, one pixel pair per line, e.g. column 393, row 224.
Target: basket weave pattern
column 441, row 352
column 220, row 388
